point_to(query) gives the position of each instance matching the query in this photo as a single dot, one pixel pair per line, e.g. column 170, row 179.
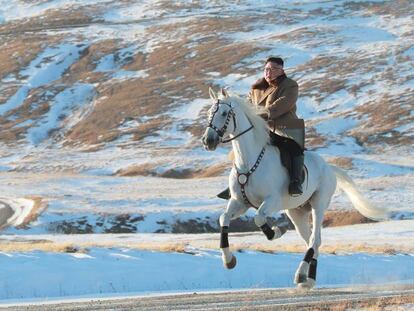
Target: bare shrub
column 343, row 162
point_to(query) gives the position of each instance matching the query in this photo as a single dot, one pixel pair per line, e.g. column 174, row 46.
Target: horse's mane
column 261, row 130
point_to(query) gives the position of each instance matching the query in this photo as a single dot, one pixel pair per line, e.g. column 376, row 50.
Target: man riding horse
column 276, row 94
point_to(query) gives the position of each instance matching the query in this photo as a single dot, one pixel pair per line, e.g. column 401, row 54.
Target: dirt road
column 262, row 299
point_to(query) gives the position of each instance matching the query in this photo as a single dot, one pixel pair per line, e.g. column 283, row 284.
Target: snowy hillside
column 92, row 90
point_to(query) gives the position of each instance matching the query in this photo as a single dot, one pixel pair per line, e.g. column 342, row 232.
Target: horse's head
column 221, row 114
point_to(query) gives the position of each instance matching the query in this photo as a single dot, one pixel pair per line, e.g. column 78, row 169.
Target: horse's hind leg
column 234, row 210
column 306, row 275
column 300, row 218
column 310, row 260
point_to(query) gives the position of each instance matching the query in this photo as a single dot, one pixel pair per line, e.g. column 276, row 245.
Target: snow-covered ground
column 116, row 270
column 103, row 272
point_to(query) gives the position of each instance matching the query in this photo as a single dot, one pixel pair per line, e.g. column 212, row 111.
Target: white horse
column 259, row 180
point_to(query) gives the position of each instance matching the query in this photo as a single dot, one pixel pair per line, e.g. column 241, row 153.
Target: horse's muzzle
column 210, row 139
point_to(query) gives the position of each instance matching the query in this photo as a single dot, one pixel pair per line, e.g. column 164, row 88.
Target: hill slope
column 120, row 88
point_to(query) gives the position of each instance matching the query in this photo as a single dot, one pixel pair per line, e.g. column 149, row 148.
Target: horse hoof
column 231, row 264
column 308, row 285
column 278, row 232
column 300, row 279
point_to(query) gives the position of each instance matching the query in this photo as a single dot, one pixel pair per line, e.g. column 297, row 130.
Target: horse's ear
column 224, row 93
column 213, row 96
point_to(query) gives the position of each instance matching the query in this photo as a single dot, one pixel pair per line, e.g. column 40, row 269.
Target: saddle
column 291, row 128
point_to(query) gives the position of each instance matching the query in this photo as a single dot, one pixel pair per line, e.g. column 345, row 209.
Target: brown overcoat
column 279, row 102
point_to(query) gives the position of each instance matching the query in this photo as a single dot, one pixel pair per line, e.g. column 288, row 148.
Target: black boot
column 225, row 195
column 295, row 186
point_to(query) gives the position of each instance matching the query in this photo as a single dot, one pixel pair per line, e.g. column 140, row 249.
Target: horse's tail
column 360, row 203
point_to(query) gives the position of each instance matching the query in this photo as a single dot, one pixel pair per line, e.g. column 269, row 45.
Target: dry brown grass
column 327, row 249
column 398, row 8
column 17, row 52
column 136, row 170
column 82, row 70
column 344, row 218
column 52, row 19
column 239, row 243
column 48, row 246
column 30, row 246
column 313, row 139
column 382, row 118
column 214, row 170
column 35, row 106
column 151, row 170
column 151, row 96
column 117, row 102
column 7, row 92
column 338, row 73
column 302, row 33
column 343, row 162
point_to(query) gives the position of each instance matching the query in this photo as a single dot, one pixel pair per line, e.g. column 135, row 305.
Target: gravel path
column 269, row 299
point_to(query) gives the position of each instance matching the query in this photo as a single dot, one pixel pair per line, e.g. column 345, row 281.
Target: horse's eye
column 224, row 113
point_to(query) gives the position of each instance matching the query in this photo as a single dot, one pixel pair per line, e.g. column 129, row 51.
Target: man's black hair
column 277, row 60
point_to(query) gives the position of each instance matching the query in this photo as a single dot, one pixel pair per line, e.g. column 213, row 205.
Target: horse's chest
column 249, row 189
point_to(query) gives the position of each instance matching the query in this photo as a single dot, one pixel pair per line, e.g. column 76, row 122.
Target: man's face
column 272, row 71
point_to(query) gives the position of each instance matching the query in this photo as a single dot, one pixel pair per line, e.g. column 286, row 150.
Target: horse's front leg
column 265, row 210
column 234, row 210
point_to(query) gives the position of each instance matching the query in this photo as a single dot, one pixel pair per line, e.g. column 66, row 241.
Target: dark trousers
column 288, row 143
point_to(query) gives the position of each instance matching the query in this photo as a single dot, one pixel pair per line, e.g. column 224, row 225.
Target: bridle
column 222, row 131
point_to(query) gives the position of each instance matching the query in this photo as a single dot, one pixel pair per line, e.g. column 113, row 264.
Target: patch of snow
column 238, row 83
column 106, row 63
column 190, row 111
column 46, row 68
column 338, row 101
column 66, row 101
column 335, row 126
column 345, row 146
column 127, row 74
column 372, row 168
column 133, row 12
column 406, row 128
column 81, row 256
column 15, row 10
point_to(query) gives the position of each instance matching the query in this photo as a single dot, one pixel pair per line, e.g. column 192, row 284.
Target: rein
column 222, row 131
column 238, row 135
